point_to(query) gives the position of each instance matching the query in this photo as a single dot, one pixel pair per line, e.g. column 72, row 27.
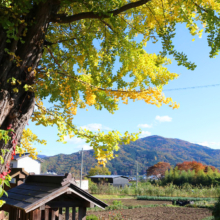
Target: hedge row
column 174, row 198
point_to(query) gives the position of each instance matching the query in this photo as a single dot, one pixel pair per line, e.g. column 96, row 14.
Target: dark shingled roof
column 40, row 189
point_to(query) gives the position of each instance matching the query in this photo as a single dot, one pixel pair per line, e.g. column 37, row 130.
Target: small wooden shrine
column 44, row 197
column 19, row 175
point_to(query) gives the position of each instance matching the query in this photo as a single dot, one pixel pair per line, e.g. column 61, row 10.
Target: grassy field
column 103, row 196
column 152, row 201
column 146, row 189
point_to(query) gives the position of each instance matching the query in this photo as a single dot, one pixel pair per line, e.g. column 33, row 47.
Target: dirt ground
column 152, row 213
column 156, row 213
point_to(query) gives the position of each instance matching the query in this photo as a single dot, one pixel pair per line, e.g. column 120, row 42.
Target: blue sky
column 197, row 120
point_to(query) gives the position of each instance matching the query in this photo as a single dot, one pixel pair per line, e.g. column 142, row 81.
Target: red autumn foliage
column 190, row 165
column 194, row 165
column 158, row 169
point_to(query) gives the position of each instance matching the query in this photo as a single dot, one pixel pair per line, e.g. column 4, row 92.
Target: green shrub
column 117, row 202
column 208, row 218
column 148, row 183
column 216, row 210
column 173, row 198
column 93, row 187
column 92, row 217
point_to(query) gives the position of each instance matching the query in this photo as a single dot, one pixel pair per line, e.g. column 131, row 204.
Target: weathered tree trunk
column 16, row 107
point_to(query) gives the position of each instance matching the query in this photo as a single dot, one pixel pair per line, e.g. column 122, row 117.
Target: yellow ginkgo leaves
column 28, row 138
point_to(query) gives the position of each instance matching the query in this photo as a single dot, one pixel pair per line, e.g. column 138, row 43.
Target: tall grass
column 147, row 189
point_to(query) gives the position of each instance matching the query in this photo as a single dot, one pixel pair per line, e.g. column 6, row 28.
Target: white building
column 30, row 165
column 84, row 186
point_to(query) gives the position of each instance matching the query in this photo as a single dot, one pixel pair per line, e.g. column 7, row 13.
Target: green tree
column 216, row 210
column 183, row 177
column 99, row 170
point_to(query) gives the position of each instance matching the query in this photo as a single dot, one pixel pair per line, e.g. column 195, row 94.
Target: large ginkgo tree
column 64, row 51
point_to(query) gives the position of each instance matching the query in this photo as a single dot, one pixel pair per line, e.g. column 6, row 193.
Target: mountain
column 147, row 151
column 41, row 156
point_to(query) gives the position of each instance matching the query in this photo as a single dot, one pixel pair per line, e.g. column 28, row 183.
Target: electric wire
column 194, row 87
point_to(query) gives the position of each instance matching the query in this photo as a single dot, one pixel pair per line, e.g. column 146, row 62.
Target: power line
column 194, row 87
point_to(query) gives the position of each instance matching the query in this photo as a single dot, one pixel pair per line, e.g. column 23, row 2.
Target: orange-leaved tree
column 190, row 165
column 158, row 169
column 194, row 165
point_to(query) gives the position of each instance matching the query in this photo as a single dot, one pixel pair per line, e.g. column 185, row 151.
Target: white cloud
column 74, row 140
column 144, row 126
column 205, row 143
column 95, row 127
column 85, row 147
column 165, row 118
column 144, row 134
column 212, row 144
column 77, row 143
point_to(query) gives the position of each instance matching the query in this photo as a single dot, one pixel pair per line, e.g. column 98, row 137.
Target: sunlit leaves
column 28, row 138
column 100, row 61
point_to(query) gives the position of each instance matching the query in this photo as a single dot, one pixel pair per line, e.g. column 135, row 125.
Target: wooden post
column 37, row 214
column 22, row 215
column 54, row 214
column 18, row 214
column 12, row 214
column 73, row 213
column 57, row 214
column 67, row 213
column 46, row 214
column 27, row 216
column 31, row 215
column 82, row 213
column 2, row 215
column 60, row 213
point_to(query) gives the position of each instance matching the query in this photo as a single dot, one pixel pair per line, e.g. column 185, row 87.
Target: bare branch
column 204, row 10
column 107, row 24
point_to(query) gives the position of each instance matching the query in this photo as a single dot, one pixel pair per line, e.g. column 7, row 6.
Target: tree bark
column 17, row 107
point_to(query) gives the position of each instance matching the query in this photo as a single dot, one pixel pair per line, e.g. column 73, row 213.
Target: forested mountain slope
column 147, row 151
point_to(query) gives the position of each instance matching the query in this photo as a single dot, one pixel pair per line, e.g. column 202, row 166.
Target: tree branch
column 63, row 18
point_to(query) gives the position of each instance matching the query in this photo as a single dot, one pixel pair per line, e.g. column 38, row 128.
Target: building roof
column 18, row 157
column 41, row 189
column 17, row 171
column 108, row 176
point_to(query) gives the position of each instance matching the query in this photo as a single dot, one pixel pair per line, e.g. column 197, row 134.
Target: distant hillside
column 147, row 151
column 41, row 156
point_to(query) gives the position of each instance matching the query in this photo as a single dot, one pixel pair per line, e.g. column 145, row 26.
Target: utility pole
column 137, row 175
column 81, row 168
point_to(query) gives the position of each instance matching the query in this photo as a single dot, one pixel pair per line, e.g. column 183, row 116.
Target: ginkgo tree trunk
column 18, row 62
column 65, row 51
